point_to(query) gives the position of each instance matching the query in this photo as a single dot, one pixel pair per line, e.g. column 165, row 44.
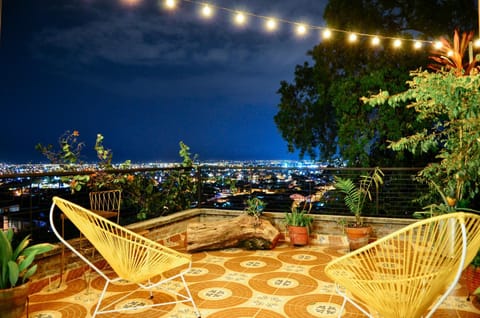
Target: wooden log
column 230, row 233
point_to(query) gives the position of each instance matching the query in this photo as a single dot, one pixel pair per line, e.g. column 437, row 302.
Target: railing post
column 199, row 185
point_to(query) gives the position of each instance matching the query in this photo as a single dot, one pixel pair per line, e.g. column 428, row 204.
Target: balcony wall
column 171, row 231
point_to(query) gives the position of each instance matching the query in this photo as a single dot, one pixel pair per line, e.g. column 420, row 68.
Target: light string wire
column 302, row 28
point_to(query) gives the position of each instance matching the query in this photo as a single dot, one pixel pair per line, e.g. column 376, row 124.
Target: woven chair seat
column 411, row 271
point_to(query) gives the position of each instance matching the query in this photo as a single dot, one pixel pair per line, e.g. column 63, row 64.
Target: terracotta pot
column 13, row 301
column 472, row 279
column 298, row 235
column 358, row 236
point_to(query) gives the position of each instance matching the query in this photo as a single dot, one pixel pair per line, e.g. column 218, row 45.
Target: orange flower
column 130, row 178
column 76, row 133
column 451, row 201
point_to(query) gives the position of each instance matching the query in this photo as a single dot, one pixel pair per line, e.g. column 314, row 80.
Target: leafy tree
column 320, row 113
column 449, row 102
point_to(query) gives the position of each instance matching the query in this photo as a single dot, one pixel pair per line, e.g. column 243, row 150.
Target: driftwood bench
column 243, row 230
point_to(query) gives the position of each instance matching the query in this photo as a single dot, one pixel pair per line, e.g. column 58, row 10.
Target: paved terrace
column 233, row 283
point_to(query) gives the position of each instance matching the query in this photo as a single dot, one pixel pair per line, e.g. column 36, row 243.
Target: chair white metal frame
column 410, row 272
column 132, row 257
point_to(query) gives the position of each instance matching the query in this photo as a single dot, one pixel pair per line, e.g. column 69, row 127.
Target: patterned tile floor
column 234, row 283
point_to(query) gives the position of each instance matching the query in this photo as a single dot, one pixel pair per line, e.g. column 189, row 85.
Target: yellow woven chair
column 133, row 257
column 410, row 272
column 106, row 203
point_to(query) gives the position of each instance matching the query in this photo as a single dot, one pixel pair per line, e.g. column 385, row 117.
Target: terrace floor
column 235, row 283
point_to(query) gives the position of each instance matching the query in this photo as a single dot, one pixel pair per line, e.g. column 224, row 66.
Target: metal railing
column 26, row 197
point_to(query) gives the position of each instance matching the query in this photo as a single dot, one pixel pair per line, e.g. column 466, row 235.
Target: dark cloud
column 158, row 73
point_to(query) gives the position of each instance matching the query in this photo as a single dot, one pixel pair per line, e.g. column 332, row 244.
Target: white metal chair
column 410, row 272
column 132, row 257
column 105, row 203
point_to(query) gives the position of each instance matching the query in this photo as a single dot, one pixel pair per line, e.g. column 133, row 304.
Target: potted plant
column 355, row 198
column 16, row 267
column 298, row 223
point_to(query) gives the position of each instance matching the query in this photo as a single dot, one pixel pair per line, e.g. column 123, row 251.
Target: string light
column 301, row 29
column 130, row 2
column 271, row 24
column 327, row 34
column 352, row 37
column 207, row 11
column 170, row 4
column 240, row 18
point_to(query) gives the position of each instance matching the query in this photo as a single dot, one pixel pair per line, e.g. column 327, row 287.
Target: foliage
column 16, row 263
column 69, row 152
column 254, row 207
column 141, row 192
column 179, row 190
column 476, row 260
column 448, row 204
column 69, row 156
column 320, row 112
column 452, row 56
column 449, row 102
column 298, row 216
column 356, row 196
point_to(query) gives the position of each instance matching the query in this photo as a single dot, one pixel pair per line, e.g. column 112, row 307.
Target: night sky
column 147, row 78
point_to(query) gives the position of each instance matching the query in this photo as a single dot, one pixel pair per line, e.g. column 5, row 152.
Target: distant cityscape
column 25, row 168
column 26, row 189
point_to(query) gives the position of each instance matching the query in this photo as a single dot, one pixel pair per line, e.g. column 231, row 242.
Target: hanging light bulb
column 170, row 4
column 477, row 43
column 397, row 43
column 130, row 2
column 301, row 29
column 207, row 11
column 375, row 40
column 271, row 24
column 438, row 45
column 327, row 34
column 417, row 45
column 240, row 18
column 352, row 37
